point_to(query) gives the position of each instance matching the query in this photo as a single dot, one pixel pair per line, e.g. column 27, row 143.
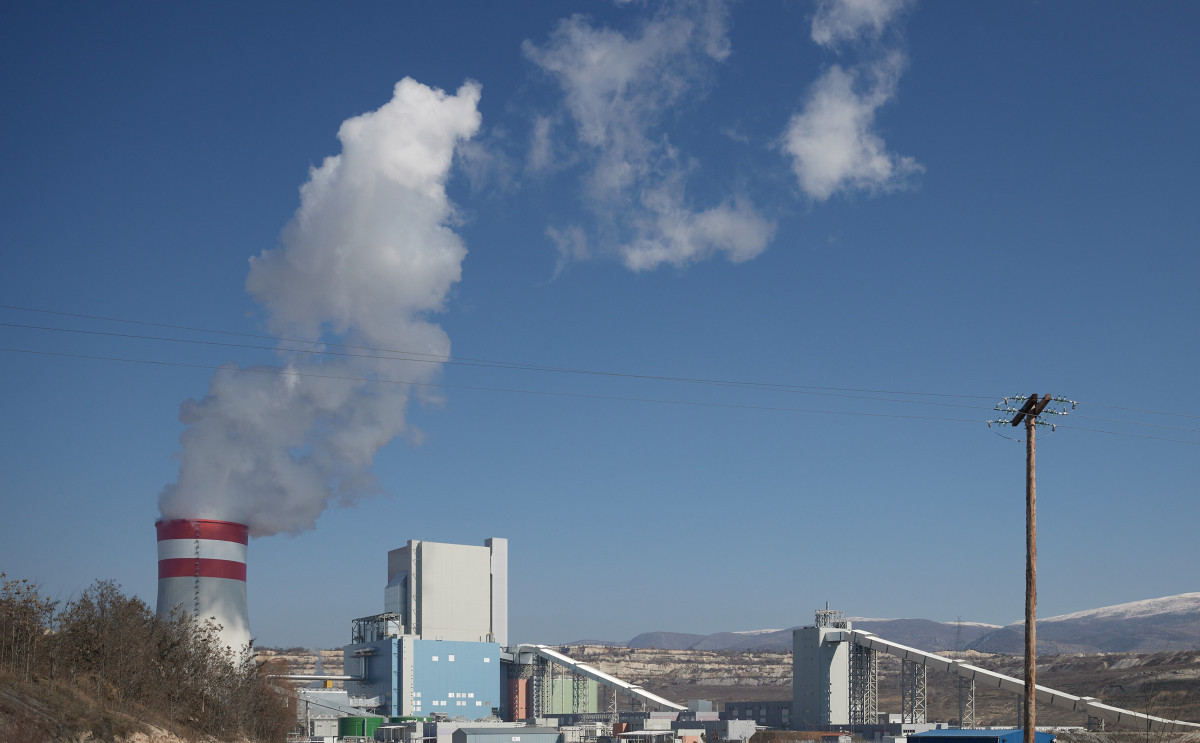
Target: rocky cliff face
column 302, row 660
column 710, row 668
column 1164, row 684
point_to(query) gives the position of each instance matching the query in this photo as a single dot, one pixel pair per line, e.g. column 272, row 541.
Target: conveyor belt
column 601, row 677
column 991, row 680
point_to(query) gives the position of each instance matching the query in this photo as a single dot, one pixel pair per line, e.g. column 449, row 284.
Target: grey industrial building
column 501, row 735
column 769, row 714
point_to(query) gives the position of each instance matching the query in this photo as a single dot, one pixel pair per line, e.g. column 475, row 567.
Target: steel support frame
column 608, row 701
column 864, row 685
column 542, row 694
column 579, row 693
column 912, row 691
column 966, row 702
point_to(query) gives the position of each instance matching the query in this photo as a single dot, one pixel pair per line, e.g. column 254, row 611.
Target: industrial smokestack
column 202, row 570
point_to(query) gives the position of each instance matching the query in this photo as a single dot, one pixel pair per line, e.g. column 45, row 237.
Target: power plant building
column 821, row 672
column 449, row 591
column 436, row 646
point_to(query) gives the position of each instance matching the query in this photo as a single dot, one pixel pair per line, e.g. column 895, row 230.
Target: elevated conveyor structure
column 985, row 679
column 652, row 701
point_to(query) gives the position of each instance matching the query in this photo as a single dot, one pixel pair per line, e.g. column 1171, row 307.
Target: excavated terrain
column 1163, row 684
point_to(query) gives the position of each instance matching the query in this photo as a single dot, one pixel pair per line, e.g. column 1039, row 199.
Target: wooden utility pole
column 1029, row 413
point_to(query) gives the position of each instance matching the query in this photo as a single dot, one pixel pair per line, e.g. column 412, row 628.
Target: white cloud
column 617, row 88
column 847, row 20
column 369, row 254
column 541, row 145
column 572, row 246
column 679, row 236
column 487, row 168
column 832, row 141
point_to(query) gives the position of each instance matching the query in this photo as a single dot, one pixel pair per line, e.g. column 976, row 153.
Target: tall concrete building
column 450, row 591
column 821, row 672
column 436, row 646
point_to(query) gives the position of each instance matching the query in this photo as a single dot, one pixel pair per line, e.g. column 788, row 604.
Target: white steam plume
column 368, row 256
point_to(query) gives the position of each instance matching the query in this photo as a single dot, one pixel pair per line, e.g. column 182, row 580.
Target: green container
column 360, row 727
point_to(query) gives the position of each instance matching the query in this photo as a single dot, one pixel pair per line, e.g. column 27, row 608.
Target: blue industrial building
column 977, row 736
column 412, row 677
column 436, row 649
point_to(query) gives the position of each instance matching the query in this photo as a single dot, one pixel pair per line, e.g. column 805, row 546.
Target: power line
column 483, row 364
column 1136, row 423
column 1131, row 435
column 547, row 393
column 464, row 360
column 1140, row 410
column 321, row 348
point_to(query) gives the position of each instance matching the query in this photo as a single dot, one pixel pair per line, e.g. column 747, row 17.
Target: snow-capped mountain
column 1183, row 604
column 1149, row 626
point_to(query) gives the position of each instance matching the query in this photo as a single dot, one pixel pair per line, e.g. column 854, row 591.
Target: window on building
column 450, row 658
column 435, row 659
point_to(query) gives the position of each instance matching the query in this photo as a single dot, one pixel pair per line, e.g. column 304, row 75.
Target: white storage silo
column 202, row 570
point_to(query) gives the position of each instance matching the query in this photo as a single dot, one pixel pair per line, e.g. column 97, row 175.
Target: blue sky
column 960, row 201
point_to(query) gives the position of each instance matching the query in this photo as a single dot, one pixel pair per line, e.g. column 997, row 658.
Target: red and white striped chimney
column 202, row 570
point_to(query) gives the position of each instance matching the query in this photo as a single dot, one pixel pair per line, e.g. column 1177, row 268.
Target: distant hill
column 1150, row 626
column 766, row 639
column 663, row 641
column 919, row 633
column 926, row 634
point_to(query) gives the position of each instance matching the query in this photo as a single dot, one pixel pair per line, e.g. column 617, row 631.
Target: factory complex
column 436, row 664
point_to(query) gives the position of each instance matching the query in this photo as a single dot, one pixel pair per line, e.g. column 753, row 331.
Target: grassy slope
column 43, row 712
